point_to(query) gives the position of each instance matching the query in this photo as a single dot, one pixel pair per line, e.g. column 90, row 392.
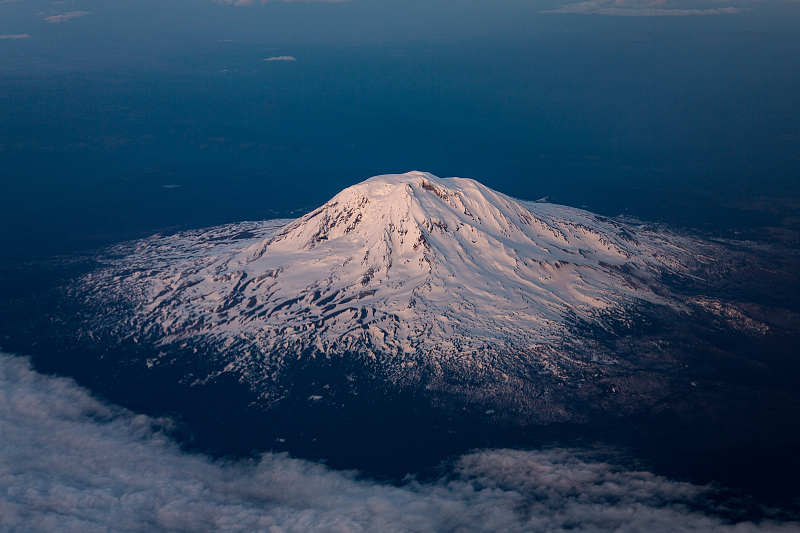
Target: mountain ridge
column 426, row 279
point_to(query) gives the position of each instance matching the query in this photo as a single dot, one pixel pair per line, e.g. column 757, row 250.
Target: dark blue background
column 691, row 120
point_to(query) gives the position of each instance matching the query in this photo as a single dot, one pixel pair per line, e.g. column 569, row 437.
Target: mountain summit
column 415, row 274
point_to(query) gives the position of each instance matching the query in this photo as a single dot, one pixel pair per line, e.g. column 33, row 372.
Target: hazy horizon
column 107, row 102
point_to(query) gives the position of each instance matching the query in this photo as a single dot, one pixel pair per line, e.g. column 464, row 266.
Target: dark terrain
column 729, row 414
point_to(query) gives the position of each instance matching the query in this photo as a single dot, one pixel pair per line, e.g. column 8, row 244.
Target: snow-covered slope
column 408, row 270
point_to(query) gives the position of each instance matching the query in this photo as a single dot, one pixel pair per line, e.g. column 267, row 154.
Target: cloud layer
column 638, row 8
column 72, row 463
column 252, row 2
column 66, row 16
column 281, row 58
column 15, row 36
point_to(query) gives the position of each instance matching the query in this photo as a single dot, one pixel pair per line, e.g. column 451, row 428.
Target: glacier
column 435, row 283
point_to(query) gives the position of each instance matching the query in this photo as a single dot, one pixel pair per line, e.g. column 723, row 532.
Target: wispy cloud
column 17, row 36
column 639, row 8
column 281, row 58
column 66, row 16
column 69, row 462
column 252, row 2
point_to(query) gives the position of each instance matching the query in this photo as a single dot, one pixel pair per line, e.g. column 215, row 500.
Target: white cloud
column 252, row 2
column 69, row 462
column 281, row 58
column 17, row 36
column 66, row 16
column 638, row 8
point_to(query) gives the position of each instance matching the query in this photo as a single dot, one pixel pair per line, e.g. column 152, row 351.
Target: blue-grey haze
column 103, row 107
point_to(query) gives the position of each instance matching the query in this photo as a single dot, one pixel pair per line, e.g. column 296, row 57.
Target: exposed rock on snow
column 444, row 278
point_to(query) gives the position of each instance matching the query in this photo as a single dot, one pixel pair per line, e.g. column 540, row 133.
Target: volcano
column 442, row 285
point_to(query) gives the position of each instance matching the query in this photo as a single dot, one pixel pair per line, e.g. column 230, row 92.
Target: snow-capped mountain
column 414, row 274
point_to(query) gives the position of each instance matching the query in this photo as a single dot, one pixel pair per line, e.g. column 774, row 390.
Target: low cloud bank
column 281, row 58
column 252, row 2
column 69, row 462
column 639, row 8
column 15, row 36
